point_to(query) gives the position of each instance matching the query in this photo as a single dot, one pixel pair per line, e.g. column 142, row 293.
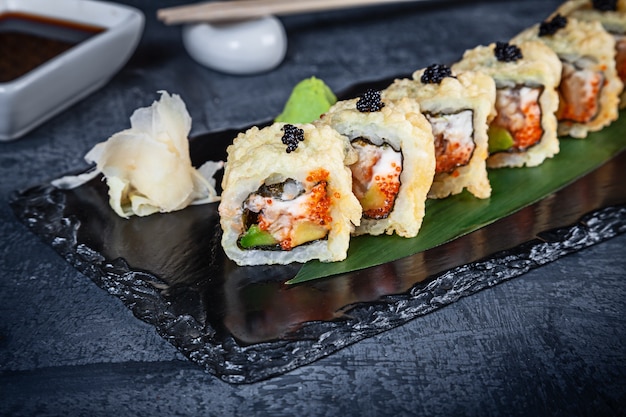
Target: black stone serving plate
column 244, row 324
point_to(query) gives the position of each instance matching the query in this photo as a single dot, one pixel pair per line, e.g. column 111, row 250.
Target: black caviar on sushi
column 292, row 137
column 505, row 52
column 433, row 74
column 550, row 27
column 370, row 102
column 605, row 5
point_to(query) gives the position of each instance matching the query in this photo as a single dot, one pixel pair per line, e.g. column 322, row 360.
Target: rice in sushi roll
column 458, row 109
column 589, row 91
column 526, row 74
column 396, row 161
column 287, row 196
column 612, row 15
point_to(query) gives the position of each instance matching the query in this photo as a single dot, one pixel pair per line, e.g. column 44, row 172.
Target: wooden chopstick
column 223, row 11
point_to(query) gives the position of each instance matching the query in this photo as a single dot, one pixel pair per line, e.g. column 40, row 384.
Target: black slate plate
column 244, row 324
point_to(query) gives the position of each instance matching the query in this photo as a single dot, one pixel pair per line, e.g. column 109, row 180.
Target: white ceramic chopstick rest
column 247, row 47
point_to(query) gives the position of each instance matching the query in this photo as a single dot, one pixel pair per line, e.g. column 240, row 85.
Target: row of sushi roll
column 294, row 192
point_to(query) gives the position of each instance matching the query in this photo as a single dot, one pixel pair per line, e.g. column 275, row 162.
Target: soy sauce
column 28, row 41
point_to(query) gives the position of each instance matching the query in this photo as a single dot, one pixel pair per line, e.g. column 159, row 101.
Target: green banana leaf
column 453, row 217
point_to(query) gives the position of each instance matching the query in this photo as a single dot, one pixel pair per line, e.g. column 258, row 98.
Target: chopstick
column 224, row 11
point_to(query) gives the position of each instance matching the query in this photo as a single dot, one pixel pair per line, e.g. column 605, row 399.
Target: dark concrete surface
column 552, row 342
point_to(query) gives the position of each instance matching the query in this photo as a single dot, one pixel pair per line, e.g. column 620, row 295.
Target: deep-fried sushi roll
column 458, row 109
column 287, row 196
column 589, row 91
column 524, row 131
column 396, row 161
column 612, row 15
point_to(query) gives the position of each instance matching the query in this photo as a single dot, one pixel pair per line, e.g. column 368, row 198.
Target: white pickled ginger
column 147, row 167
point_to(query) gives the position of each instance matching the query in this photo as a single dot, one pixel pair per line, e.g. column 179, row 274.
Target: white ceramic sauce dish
column 241, row 48
column 49, row 88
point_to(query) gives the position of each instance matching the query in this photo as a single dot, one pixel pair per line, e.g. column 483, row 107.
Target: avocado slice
column 500, row 139
column 255, row 237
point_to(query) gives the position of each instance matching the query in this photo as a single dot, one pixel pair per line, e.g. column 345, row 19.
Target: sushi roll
column 287, row 196
column 589, row 91
column 526, row 74
column 612, row 15
column 396, row 161
column 458, row 109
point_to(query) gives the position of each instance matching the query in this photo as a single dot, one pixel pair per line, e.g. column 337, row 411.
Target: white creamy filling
column 511, row 103
column 455, row 128
column 376, row 161
column 579, row 80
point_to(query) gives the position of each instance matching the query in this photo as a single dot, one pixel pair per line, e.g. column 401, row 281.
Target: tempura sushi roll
column 396, row 161
column 458, row 109
column 287, row 196
column 589, row 91
column 612, row 15
column 524, row 131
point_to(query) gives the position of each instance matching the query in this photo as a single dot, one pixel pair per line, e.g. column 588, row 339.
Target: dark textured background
column 552, row 342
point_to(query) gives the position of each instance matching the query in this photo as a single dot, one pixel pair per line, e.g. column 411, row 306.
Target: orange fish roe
column 286, row 244
column 389, row 186
column 319, row 201
column 531, row 131
column 318, row 175
column 450, row 155
column 319, row 205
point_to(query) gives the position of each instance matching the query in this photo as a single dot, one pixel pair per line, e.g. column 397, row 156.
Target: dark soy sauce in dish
column 28, row 41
